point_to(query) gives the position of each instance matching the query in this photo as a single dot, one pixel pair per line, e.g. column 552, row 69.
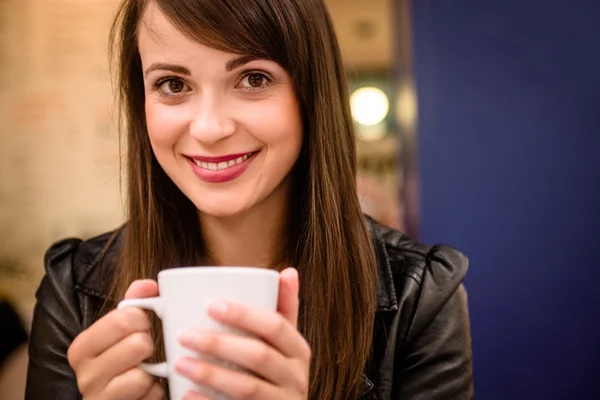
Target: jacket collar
column 386, row 292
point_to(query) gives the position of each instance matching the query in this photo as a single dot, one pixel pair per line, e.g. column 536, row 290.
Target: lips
column 221, row 163
column 221, row 169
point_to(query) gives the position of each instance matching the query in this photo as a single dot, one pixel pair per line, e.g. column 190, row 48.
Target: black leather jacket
column 421, row 347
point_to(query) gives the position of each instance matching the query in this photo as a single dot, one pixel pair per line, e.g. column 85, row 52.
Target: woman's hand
column 278, row 364
column 104, row 356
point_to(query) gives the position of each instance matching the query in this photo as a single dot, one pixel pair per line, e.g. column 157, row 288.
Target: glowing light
column 370, row 106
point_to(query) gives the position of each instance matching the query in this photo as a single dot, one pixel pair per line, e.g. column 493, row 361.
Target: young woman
column 240, row 151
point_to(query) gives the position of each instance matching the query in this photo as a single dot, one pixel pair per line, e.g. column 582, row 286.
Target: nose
column 211, row 122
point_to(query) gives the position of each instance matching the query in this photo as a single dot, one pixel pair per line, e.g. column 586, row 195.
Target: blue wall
column 509, row 149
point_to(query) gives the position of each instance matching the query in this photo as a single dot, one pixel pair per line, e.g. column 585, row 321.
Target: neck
column 255, row 238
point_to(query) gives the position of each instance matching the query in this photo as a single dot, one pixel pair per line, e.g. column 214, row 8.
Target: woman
column 240, row 151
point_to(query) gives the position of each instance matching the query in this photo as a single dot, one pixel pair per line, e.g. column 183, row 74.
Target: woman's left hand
column 277, row 364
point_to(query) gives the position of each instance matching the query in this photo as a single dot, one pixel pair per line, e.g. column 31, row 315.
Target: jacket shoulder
column 425, row 277
column 70, row 261
column 416, row 259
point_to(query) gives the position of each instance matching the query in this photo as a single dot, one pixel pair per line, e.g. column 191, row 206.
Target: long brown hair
column 331, row 250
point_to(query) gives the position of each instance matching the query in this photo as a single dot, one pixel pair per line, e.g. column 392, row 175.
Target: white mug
column 185, row 294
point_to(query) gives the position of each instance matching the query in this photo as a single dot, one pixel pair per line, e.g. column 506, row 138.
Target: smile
column 221, row 169
column 213, row 166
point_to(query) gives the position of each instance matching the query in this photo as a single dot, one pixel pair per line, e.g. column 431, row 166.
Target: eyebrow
column 168, row 67
column 239, row 62
column 230, row 66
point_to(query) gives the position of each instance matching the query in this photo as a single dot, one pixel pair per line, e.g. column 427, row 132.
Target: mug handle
column 155, row 304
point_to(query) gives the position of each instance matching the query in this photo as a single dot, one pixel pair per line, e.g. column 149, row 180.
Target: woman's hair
column 330, row 244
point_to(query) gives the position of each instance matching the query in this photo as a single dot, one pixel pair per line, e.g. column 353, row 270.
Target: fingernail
column 291, row 272
column 218, row 308
column 185, row 366
column 189, row 337
column 192, row 395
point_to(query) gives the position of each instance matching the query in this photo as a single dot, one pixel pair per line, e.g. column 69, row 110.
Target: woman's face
column 225, row 128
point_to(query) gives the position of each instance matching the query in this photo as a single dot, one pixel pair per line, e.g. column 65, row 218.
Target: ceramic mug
column 185, row 294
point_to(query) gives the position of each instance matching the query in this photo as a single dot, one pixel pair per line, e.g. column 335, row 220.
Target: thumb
column 142, row 288
column 288, row 302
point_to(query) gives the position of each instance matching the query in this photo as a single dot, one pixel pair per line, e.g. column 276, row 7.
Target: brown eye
column 175, row 86
column 256, row 80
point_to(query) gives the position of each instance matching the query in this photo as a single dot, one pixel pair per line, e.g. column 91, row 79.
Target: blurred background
column 478, row 125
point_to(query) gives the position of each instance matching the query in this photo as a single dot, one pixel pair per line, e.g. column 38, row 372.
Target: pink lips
column 217, row 160
column 221, row 175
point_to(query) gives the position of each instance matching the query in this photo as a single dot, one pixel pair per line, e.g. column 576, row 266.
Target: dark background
column 509, row 97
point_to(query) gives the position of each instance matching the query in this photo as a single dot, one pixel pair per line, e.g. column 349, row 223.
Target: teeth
column 222, row 165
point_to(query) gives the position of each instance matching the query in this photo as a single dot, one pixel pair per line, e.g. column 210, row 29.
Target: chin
column 220, row 212
column 220, row 209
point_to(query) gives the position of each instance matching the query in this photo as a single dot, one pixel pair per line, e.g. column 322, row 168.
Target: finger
column 156, row 392
column 234, row 384
column 248, row 353
column 191, row 395
column 106, row 332
column 288, row 301
column 118, row 359
column 271, row 326
column 132, row 384
column 142, row 288
column 113, row 327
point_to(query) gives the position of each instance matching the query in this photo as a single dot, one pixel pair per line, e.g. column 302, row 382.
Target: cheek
column 290, row 131
column 278, row 124
column 165, row 124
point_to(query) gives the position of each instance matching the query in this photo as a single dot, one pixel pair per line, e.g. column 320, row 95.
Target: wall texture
column 509, row 134
column 58, row 146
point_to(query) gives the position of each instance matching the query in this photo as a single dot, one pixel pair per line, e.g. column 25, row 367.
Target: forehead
column 155, row 30
column 160, row 41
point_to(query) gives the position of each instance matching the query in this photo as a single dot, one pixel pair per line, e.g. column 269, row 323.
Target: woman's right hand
column 105, row 356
